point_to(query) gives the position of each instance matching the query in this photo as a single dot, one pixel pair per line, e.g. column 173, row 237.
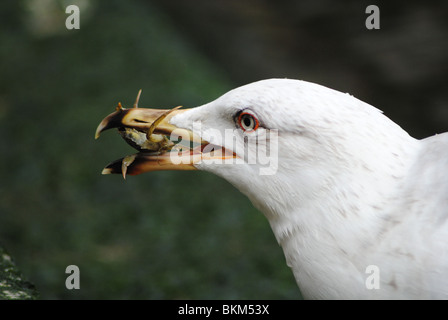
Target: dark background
column 178, row 235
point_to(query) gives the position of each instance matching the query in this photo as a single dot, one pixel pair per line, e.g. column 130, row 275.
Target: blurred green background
column 177, row 235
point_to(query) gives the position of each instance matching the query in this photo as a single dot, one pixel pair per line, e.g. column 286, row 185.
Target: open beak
column 161, row 145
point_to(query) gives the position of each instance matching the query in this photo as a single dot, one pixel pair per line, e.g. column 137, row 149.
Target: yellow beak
column 162, row 145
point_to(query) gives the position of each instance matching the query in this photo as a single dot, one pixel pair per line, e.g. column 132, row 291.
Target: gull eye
column 248, row 122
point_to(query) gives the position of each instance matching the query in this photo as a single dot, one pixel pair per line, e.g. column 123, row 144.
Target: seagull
column 359, row 207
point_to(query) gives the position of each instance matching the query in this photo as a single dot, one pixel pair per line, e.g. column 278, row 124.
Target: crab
column 143, row 138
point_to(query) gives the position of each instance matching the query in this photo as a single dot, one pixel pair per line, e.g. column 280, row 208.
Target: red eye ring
column 248, row 122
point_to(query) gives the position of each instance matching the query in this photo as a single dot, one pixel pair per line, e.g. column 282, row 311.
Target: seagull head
column 291, row 139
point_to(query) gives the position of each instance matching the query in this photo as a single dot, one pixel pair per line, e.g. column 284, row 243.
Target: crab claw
column 125, row 163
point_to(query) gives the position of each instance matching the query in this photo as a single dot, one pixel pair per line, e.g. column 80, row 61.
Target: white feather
column 352, row 189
